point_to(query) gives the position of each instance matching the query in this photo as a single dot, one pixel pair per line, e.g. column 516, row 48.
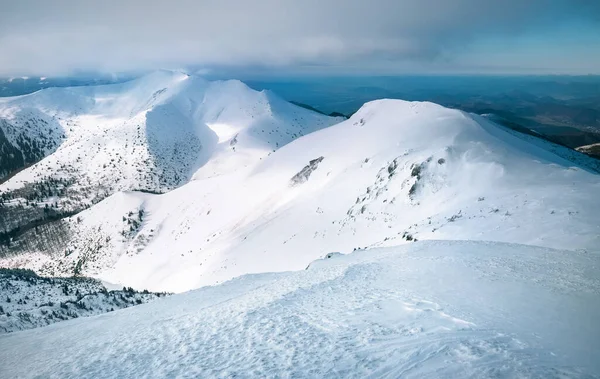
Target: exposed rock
column 305, row 173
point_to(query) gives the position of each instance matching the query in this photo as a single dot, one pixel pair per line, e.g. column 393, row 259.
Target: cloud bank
column 61, row 36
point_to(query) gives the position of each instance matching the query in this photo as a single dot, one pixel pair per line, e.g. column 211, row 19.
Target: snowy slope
column 394, row 173
column 30, row 301
column 26, row 137
column 153, row 134
column 156, row 131
column 433, row 309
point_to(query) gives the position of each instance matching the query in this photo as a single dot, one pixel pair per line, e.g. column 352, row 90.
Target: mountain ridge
column 395, row 172
column 150, row 134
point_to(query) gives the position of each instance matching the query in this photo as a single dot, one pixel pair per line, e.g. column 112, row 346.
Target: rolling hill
column 394, row 173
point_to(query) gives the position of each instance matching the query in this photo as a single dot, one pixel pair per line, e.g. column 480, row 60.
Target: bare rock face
column 306, row 171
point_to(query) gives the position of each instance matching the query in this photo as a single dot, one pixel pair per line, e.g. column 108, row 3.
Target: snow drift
column 428, row 309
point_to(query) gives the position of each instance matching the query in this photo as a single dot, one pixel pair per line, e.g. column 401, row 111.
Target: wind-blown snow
column 429, row 309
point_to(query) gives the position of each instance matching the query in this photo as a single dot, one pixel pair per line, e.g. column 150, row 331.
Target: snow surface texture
column 430, row 309
column 28, row 301
column 395, row 172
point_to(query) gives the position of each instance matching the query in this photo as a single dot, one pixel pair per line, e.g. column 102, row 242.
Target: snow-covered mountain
column 170, row 183
column 65, row 149
column 432, row 309
column 395, row 172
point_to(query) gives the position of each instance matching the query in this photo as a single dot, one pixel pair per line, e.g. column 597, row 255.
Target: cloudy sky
column 52, row 37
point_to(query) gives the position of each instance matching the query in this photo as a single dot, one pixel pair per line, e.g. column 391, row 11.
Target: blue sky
column 290, row 37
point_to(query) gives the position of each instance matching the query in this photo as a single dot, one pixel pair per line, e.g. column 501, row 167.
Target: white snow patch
column 429, row 309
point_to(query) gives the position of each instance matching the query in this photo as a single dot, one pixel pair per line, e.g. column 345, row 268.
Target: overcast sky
column 52, row 37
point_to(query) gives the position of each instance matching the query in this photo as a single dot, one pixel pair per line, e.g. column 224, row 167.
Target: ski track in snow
column 429, row 309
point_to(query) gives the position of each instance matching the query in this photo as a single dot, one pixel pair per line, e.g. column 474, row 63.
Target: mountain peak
column 224, row 157
column 151, row 134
